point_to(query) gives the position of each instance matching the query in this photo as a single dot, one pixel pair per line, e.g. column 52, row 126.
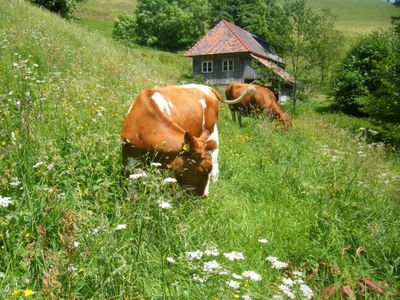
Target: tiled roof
column 276, row 69
column 226, row 37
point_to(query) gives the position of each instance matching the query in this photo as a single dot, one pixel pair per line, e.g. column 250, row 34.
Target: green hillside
column 326, row 201
column 358, row 16
column 100, row 14
column 353, row 16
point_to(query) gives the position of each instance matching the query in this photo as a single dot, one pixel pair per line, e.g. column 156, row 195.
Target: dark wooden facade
column 242, row 68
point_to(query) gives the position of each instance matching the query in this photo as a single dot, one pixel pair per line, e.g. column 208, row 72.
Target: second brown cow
column 261, row 101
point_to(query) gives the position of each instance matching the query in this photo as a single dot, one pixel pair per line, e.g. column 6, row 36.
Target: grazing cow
column 262, row 100
column 177, row 127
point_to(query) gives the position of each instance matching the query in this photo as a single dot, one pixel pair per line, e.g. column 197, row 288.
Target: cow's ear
column 187, row 142
column 211, row 145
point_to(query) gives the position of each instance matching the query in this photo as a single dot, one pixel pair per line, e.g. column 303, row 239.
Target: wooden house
column 225, row 54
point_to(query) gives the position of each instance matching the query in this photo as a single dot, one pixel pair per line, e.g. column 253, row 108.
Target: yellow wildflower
column 15, row 293
column 28, row 293
column 3, row 143
column 236, row 296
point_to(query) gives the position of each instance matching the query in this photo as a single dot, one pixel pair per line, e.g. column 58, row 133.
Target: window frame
column 227, row 61
column 203, row 62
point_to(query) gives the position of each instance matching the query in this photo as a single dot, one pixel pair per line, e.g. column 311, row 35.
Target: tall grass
column 77, row 229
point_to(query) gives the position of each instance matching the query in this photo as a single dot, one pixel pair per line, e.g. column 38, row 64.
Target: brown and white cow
column 177, row 127
column 262, row 100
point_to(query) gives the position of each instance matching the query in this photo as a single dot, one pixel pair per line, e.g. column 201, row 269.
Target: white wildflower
column 252, row 275
column 72, row 269
column 99, row 114
column 194, row 255
column 170, row 260
column 2, row 275
column 288, row 282
column 263, row 241
column 50, row 166
column 234, row 255
column 211, row 266
column 38, row 164
column 211, row 252
column 236, row 276
column 297, row 274
column 199, row 278
column 169, row 180
column 286, row 290
column 76, row 244
column 165, row 204
column 246, row 297
column 279, row 265
column 15, row 182
column 272, row 259
column 120, row 226
column 223, row 272
column 138, row 175
column 96, row 230
column 5, row 201
column 156, row 164
column 233, row 284
column 306, row 291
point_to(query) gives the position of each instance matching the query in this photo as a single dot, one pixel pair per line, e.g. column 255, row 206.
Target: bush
column 368, row 79
column 66, row 8
column 164, row 24
column 124, row 28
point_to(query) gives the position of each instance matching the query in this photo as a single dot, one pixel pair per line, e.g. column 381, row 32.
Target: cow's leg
column 214, row 154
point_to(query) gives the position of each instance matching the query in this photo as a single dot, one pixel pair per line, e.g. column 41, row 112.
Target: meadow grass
column 77, row 229
column 99, row 15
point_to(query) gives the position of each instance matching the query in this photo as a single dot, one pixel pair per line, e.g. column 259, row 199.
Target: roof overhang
column 276, row 69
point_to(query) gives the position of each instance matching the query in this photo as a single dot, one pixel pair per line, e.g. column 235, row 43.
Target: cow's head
column 287, row 120
column 193, row 165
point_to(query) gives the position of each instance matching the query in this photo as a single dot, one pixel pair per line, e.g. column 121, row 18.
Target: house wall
column 242, row 70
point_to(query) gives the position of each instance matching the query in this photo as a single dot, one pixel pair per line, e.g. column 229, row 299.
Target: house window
column 227, row 65
column 207, row 66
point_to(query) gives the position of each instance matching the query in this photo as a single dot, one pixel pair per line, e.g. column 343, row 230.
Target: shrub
column 367, row 81
column 66, row 8
column 164, row 24
column 124, row 28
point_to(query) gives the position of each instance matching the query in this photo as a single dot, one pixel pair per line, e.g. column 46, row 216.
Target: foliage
column 66, row 8
column 167, row 24
column 124, row 28
column 367, row 80
column 311, row 45
column 224, row 9
column 396, row 19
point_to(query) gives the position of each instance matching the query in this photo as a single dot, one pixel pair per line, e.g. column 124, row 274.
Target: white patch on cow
column 161, row 103
column 214, row 154
column 207, row 187
column 205, row 89
column 204, row 105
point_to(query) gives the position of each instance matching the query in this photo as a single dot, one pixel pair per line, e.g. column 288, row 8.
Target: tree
column 310, row 45
column 66, row 8
column 368, row 79
column 396, row 19
column 224, row 9
column 268, row 22
column 171, row 25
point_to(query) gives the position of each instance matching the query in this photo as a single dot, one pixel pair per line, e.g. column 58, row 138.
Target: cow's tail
column 217, row 95
column 249, row 91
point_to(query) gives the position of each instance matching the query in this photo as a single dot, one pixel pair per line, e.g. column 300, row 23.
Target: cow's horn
column 250, row 90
